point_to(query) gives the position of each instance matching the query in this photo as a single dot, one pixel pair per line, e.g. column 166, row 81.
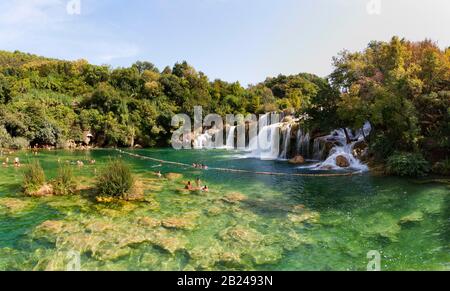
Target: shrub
column 5, row 138
column 407, row 165
column 64, row 183
column 34, row 177
column 381, row 147
column 19, row 143
column 115, row 180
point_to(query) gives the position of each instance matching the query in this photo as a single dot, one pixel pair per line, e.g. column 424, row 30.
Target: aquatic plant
column 64, row 183
column 115, row 180
column 33, row 177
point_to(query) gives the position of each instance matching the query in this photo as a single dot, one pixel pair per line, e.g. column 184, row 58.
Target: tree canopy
column 401, row 87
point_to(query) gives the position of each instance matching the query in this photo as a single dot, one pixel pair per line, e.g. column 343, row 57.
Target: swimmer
column 188, row 186
column 205, row 189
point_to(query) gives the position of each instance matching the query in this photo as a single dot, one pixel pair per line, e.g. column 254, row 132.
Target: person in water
column 17, row 162
column 188, row 186
column 205, row 189
column 158, row 174
column 198, row 183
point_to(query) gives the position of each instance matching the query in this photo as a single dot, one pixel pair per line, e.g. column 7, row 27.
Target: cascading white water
column 230, row 138
column 345, row 150
column 317, row 149
column 203, row 141
column 266, row 145
column 302, row 143
column 286, row 141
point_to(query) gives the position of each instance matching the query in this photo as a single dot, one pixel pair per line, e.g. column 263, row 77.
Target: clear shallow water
column 282, row 223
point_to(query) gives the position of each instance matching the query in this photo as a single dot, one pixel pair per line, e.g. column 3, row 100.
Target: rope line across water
column 239, row 171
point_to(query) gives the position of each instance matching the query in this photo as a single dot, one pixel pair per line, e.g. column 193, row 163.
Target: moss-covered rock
column 174, row 176
column 416, row 216
column 14, row 206
column 234, row 198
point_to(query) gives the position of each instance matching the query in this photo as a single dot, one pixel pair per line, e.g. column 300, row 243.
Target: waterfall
column 203, row 141
column 317, row 150
column 302, row 143
column 230, row 138
column 286, row 141
column 345, row 150
column 266, row 146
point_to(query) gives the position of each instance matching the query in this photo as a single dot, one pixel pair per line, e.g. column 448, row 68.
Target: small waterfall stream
column 230, row 138
column 303, row 141
column 286, row 142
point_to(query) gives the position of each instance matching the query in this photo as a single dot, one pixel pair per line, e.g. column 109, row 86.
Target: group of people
column 198, row 187
column 200, row 166
column 17, row 163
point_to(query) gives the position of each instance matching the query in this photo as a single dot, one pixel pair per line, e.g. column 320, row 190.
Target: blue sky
column 235, row 40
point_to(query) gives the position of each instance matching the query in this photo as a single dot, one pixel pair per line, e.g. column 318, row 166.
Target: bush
column 407, row 165
column 115, row 180
column 5, row 138
column 64, row 183
column 19, row 143
column 34, row 177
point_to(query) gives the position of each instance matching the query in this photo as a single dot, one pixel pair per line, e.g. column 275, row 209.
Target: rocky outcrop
column 45, row 191
column 361, row 150
column 298, row 160
column 342, row 162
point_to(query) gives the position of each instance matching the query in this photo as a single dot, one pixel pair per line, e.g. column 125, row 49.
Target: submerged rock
column 416, row 216
column 174, row 176
column 214, row 211
column 170, row 244
column 230, row 259
column 136, row 193
column 52, row 227
column 299, row 208
column 234, row 198
column 305, row 216
column 99, row 226
column 14, row 205
column 267, row 255
column 242, row 235
column 186, row 222
column 149, row 222
column 383, row 225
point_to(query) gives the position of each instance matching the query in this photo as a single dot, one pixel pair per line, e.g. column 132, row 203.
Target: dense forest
column 401, row 87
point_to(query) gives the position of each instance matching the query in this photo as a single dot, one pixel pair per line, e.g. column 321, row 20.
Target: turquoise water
column 246, row 222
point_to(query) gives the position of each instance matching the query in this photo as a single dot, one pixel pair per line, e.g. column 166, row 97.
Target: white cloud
column 32, row 12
